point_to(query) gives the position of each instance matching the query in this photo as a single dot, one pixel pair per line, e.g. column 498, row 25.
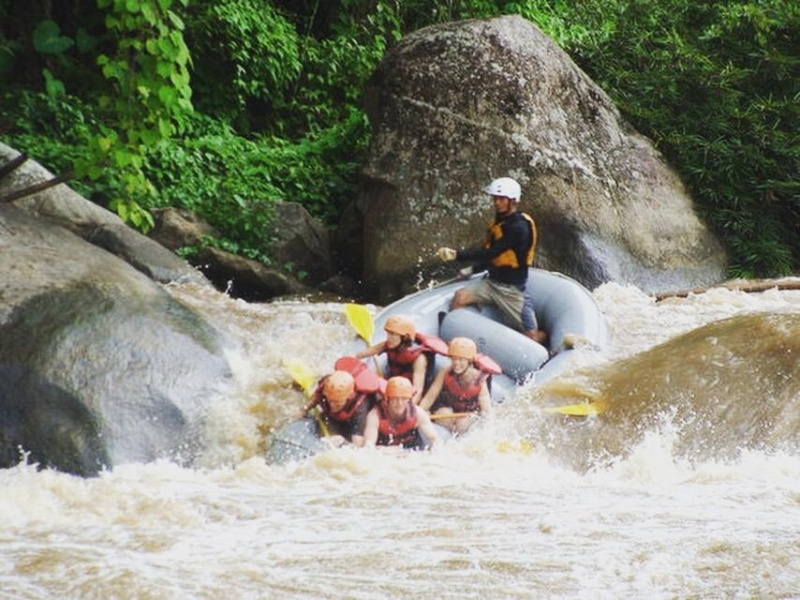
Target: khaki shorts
column 507, row 298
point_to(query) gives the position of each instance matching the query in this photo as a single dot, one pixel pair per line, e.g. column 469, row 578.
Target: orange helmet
column 461, row 347
column 339, row 386
column 402, row 326
column 399, row 387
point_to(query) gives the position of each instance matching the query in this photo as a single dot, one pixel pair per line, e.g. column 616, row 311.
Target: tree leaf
column 47, row 38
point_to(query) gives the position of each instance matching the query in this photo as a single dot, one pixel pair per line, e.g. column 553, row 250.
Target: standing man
column 507, row 252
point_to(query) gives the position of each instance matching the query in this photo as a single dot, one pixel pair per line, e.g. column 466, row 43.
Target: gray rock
column 101, row 366
column 300, row 250
column 177, row 228
column 302, row 242
column 453, row 106
column 245, row 278
column 63, row 206
column 144, row 254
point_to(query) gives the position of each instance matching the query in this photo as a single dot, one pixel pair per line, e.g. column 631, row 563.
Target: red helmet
column 461, row 347
column 339, row 386
column 402, row 326
column 399, row 387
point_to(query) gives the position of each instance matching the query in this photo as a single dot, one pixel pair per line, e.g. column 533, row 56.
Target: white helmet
column 505, row 186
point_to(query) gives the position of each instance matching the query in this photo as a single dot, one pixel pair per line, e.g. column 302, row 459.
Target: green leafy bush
column 234, row 183
column 247, row 55
column 277, row 85
column 54, row 130
column 716, row 86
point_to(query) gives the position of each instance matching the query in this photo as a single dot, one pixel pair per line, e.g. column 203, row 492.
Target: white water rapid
column 488, row 517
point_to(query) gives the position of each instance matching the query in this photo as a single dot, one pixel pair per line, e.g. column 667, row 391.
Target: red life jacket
column 401, row 359
column 347, row 412
column 432, row 343
column 487, row 364
column 462, row 399
column 404, row 433
column 366, row 381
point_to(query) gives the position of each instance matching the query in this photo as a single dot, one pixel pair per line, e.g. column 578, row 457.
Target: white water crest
column 500, row 514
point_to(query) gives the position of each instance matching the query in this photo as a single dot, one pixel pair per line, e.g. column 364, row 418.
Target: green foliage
column 149, row 96
column 55, row 130
column 321, row 85
column 47, row 38
column 715, row 85
column 234, row 183
column 278, row 87
column 41, row 37
column 245, row 52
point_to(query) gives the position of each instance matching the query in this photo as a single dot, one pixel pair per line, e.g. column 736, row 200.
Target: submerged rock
column 728, row 386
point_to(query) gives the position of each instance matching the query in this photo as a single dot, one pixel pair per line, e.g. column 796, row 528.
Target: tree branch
column 751, row 287
column 36, row 188
column 12, row 164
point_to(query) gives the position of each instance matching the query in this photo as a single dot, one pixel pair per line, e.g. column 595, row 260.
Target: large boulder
column 62, row 205
column 301, row 243
column 453, row 106
column 99, row 365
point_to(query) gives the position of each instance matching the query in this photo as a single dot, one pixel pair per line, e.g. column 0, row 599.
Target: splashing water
column 528, row 506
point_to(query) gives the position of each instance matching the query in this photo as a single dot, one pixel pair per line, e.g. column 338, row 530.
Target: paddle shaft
column 438, row 416
column 584, row 409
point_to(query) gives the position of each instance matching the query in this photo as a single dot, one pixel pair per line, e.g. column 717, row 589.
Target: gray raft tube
column 564, row 308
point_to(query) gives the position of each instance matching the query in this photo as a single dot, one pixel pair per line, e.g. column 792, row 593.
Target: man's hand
column 446, row 254
column 465, row 272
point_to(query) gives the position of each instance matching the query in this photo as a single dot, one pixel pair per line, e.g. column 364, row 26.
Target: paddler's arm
column 433, row 392
column 371, row 429
column 420, row 366
column 312, row 402
column 485, row 401
column 372, row 350
column 425, row 425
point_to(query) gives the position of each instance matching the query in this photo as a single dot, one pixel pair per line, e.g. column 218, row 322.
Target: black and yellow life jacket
column 510, row 258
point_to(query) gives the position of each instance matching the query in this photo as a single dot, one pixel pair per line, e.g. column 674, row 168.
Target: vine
column 150, row 94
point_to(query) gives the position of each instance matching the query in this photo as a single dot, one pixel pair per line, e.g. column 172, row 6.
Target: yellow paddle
column 522, row 447
column 303, row 376
column 361, row 320
column 584, row 409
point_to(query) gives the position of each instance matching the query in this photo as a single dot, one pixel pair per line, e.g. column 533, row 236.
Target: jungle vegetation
column 225, row 107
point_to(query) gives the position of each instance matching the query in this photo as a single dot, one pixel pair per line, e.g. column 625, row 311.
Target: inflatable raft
column 564, row 309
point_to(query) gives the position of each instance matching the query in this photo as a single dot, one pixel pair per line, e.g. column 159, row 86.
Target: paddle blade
column 584, row 409
column 302, row 375
column 523, row 447
column 360, row 320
